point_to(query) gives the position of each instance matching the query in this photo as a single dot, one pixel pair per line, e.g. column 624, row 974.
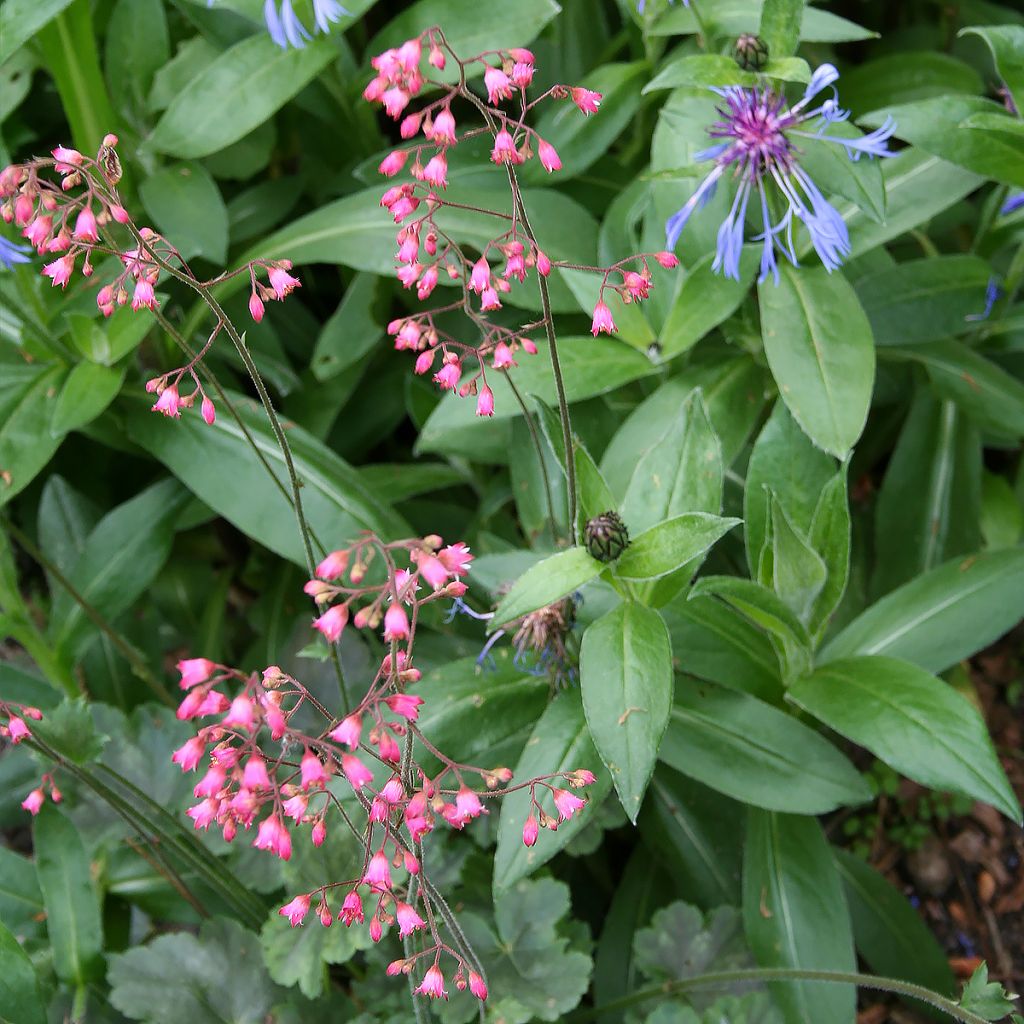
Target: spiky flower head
column 606, row 536
column 751, row 52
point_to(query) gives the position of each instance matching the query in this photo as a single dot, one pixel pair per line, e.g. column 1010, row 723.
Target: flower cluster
column 427, row 255
column 71, row 217
column 256, row 776
column 15, row 729
column 759, row 137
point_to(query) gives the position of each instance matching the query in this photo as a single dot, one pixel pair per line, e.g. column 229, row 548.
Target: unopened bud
column 751, row 52
column 606, row 536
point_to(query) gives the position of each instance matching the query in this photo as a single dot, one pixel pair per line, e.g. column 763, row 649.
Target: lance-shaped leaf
column 547, row 581
column 671, row 544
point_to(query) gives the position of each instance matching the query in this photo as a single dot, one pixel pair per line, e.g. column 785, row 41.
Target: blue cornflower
column 758, row 131
column 10, row 253
column 641, row 4
column 992, row 293
column 284, row 26
column 1014, row 201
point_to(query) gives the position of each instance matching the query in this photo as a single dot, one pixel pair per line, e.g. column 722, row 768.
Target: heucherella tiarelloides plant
column 759, row 146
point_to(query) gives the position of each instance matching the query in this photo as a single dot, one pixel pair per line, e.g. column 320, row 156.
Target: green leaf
column 72, row 908
column 216, row 977
column 831, row 169
column 534, row 970
column 780, row 26
column 923, row 300
column 69, row 48
column 21, row 900
column 479, row 714
column 681, row 942
column 20, row 20
column 918, row 186
column 560, row 743
column 217, row 464
column 783, row 462
column 713, row 69
column 698, row 834
column 820, row 350
column 19, row 986
column 468, row 27
column 187, row 207
column 797, row 570
column 1007, row 45
column 671, row 544
column 88, row 390
column 121, row 558
column 831, row 537
column 237, row 92
column 795, row 914
column 27, row 399
column 137, row 46
column 888, row 931
column 106, row 343
column 547, row 581
column 682, row 472
column 927, row 507
column 913, row 721
column 69, row 729
column 626, row 682
column 934, row 126
column 988, row 999
column 298, row 956
column 712, row 641
column 705, row 299
column 757, row 754
column 904, row 77
column 942, row 616
column 1002, row 515
column 351, row 332
column 982, row 389
column 732, row 392
column 580, row 140
column 765, row 610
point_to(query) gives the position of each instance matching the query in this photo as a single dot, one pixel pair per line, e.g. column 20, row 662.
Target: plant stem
column 538, row 448
column 755, row 974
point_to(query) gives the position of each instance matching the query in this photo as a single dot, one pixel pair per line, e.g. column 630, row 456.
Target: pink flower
column 65, row 156
column 437, row 58
column 168, row 403
column 443, row 130
column 376, row 929
column 427, row 283
column 256, row 308
column 296, row 911
column 204, row 813
column 212, row 782
column 189, row 754
column 522, row 74
column 387, row 747
column 602, row 320
column 503, row 357
column 408, row 919
column 667, row 259
column 60, row 270
column 567, row 803
column 332, row 622
column 295, row 807
column 405, row 704
column 313, row 771
column 38, row 231
column 395, row 100
column 355, row 771
column 584, row 777
column 396, row 623
column 378, row 871
column 637, row 285
column 456, row 558
column 195, row 670
column 17, row 729
column 432, row 984
column 477, row 986
column 432, row 570
column 485, row 402
column 214, row 703
column 317, row 835
column 242, row 714
column 85, row 226
column 393, row 791
column 549, row 157
column 467, row 803
column 543, row 264
column 348, row 731
column 530, row 831
column 410, row 125
column 143, row 296
column 34, row 801
column 489, row 299
column 480, row 278
column 425, row 360
column 587, row 100
column 282, row 282
column 254, row 775
column 208, row 411
column 272, row 835
column 499, row 87
column 119, row 213
column 393, row 162
column 436, row 171
column 504, row 150
column 333, row 566
column 351, row 909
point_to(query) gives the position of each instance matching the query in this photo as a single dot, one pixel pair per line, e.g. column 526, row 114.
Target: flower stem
column 538, row 448
column 757, row 974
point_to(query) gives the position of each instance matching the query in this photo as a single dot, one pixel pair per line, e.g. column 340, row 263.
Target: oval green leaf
column 547, row 581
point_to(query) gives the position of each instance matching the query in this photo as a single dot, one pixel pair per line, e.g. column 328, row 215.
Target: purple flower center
column 754, row 123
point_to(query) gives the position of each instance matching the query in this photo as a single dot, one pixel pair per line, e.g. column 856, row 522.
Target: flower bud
column 606, row 536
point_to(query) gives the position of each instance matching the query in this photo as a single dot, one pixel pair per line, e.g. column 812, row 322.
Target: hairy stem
column 539, row 449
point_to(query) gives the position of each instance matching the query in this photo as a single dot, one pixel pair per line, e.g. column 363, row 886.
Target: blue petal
column 293, row 28
column 992, row 292
column 874, row 143
column 10, row 253
column 274, row 26
column 829, row 235
column 822, row 77
column 326, row 12
column 730, row 236
column 768, row 263
column 675, row 224
column 1014, row 201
